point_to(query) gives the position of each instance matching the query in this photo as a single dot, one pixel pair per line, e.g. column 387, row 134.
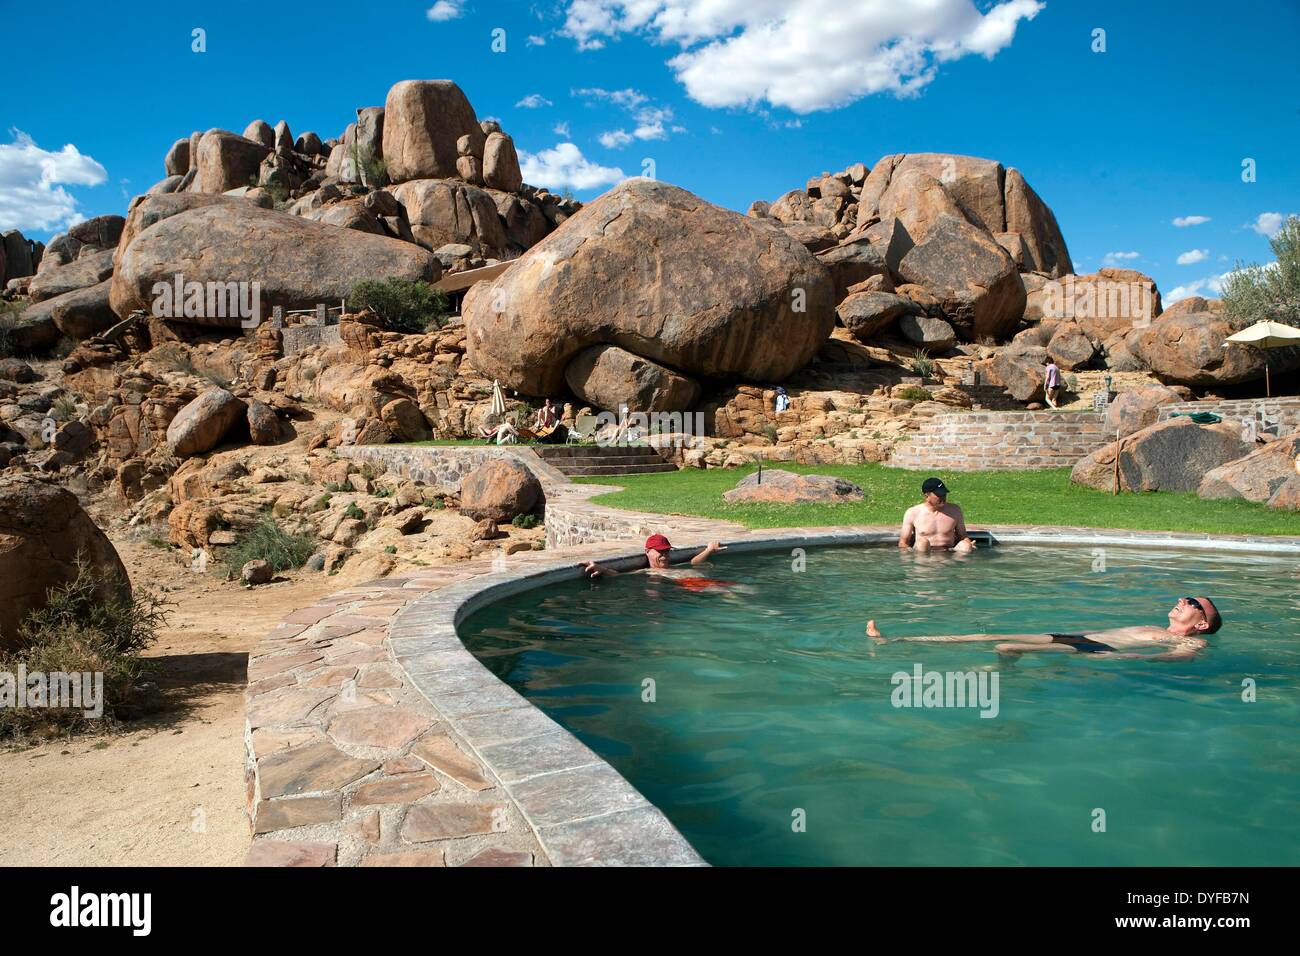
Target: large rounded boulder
column 296, row 263
column 423, row 119
column 43, row 533
column 1256, row 477
column 973, row 277
column 1173, row 455
column 203, row 423
column 499, row 491
column 607, row 376
column 657, row 271
column 1186, row 345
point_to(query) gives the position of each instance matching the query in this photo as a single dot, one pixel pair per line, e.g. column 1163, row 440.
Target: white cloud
column 1184, row 221
column 804, row 55
column 1193, row 256
column 534, row 40
column 32, row 196
column 1115, row 258
column 1268, row 224
column 615, row 139
column 561, row 129
column 652, row 122
column 564, row 167
column 534, row 101
column 445, row 10
column 1210, row 286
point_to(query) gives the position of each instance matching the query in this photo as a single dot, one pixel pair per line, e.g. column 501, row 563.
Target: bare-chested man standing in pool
column 935, row 524
column 1190, row 621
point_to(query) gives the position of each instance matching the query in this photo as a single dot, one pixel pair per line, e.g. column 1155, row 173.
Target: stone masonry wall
column 1285, row 410
column 443, row 468
column 1001, row 441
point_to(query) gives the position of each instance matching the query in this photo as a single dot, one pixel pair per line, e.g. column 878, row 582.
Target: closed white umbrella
column 498, row 400
column 1266, row 334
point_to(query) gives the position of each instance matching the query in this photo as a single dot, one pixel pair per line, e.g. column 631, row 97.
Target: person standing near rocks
column 935, row 524
column 1052, row 382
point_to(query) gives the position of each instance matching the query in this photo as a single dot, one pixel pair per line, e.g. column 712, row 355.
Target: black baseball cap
column 934, row 485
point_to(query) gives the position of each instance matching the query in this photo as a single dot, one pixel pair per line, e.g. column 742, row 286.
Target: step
column 611, row 471
column 550, row 452
column 590, row 462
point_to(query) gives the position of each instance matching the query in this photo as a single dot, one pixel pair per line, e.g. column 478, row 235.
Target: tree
column 1270, row 291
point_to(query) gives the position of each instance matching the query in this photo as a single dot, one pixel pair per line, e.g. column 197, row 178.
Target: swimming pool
column 759, row 720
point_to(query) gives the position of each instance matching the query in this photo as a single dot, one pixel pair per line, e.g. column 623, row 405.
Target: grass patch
column 268, row 542
column 76, row 632
column 989, row 497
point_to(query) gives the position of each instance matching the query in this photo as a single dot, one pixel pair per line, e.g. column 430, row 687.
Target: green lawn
column 990, row 497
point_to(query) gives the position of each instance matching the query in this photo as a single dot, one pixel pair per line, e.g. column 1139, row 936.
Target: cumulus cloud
column 534, row 40
column 32, row 196
column 533, row 101
column 1184, row 221
column 564, row 167
column 652, row 122
column 1193, row 256
column 1211, row 286
column 804, row 55
column 1117, row 258
column 1268, row 224
column 561, row 129
column 445, row 10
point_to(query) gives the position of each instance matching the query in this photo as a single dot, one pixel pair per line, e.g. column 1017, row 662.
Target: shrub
column 65, row 409
column 402, row 305
column 74, row 633
column 8, row 320
column 267, row 541
column 437, row 504
column 391, row 549
column 915, row 393
column 354, row 512
column 525, row 521
column 921, row 363
column 1271, row 291
column 321, row 503
column 769, row 431
column 372, row 170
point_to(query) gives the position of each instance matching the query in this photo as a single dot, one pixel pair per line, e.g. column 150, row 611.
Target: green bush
column 769, row 431
column 75, row 632
column 1255, row 292
column 915, row 393
column 921, row 363
column 402, row 305
column 355, row 513
column 8, row 321
column 525, row 521
column 268, row 542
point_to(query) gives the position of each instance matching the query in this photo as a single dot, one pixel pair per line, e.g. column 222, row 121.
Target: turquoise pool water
column 769, row 706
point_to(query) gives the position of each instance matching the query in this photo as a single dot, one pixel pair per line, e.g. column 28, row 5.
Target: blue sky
column 735, row 100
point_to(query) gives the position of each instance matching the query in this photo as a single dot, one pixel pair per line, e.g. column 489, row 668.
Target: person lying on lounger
column 1190, row 620
column 657, row 554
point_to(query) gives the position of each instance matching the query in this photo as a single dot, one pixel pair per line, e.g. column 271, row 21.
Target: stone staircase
column 993, row 398
column 575, row 461
column 1000, row 441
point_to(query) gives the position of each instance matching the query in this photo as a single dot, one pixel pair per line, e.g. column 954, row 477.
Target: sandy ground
column 167, row 790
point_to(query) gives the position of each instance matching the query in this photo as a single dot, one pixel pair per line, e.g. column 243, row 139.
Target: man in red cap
column 1190, row 620
column 658, row 553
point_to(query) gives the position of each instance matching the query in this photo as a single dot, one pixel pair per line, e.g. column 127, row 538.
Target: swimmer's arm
column 1180, row 654
column 874, row 633
column 707, row 552
column 908, row 529
column 595, row 570
column 961, row 534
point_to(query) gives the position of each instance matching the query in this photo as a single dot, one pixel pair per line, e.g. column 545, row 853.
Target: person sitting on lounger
column 935, row 525
column 547, row 426
column 503, row 434
column 658, row 554
column 1190, row 621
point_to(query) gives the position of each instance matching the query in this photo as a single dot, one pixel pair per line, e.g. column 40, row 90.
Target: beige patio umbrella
column 1265, row 334
column 498, row 400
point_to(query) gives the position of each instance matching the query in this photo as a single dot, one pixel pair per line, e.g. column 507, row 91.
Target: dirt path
column 169, row 791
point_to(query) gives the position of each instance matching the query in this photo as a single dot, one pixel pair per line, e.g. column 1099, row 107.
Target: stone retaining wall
column 1285, row 410
column 443, row 467
column 296, row 338
column 1001, row 441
